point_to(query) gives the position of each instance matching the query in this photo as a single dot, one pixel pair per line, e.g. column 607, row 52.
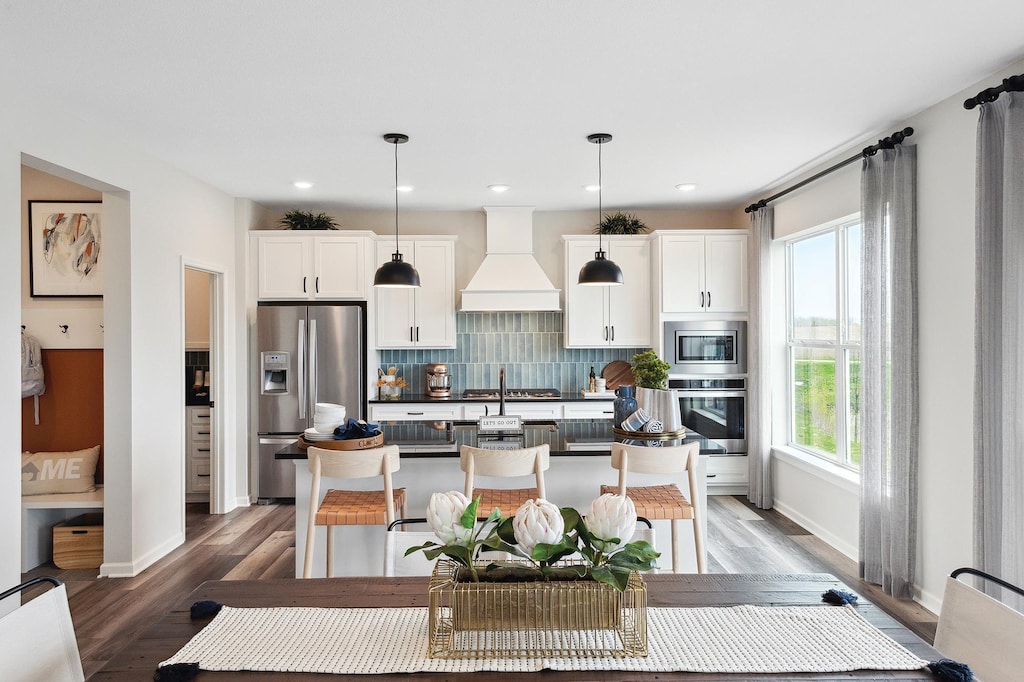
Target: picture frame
column 65, row 254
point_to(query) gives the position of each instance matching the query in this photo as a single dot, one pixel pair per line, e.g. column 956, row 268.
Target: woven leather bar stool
column 660, row 502
column 504, row 463
column 350, row 507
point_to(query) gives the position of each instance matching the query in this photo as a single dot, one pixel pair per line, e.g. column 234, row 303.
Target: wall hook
column 63, row 328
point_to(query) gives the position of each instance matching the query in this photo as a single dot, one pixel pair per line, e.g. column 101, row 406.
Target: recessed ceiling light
column 302, row 184
column 405, row 188
column 498, row 188
column 591, row 188
column 686, row 187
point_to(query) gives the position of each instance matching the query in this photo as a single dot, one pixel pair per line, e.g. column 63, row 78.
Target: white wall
column 945, row 136
column 153, row 217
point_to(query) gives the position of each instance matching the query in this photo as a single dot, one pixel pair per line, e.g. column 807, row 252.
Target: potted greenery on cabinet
column 307, row 220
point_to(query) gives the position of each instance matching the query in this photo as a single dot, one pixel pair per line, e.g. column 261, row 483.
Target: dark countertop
column 567, row 438
column 423, row 398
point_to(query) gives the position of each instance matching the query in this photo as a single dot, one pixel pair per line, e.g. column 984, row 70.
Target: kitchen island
column 580, row 464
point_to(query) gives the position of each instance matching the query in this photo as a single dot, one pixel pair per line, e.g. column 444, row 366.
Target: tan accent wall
column 71, row 409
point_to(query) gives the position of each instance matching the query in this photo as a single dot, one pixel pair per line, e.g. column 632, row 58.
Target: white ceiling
column 251, row 95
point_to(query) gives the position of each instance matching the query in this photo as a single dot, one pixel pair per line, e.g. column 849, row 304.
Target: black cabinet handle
column 411, row 414
column 303, row 285
column 613, row 332
column 318, row 284
column 417, row 333
column 410, row 334
column 606, row 332
column 712, row 475
column 709, row 299
column 203, row 475
column 702, row 299
column 203, row 449
column 202, row 433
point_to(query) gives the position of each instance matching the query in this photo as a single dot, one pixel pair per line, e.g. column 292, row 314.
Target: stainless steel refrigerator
column 306, row 354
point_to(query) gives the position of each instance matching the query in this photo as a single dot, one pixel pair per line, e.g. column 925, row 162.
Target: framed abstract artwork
column 65, row 248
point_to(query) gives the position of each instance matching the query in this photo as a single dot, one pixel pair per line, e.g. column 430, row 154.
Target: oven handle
column 708, row 393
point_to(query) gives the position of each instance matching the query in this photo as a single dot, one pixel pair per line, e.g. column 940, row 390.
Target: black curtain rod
column 1011, row 84
column 885, row 143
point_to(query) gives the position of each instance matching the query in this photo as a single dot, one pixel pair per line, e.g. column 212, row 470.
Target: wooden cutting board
column 617, row 373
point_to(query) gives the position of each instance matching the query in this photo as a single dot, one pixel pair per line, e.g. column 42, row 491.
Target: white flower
column 444, row 514
column 611, row 516
column 536, row 522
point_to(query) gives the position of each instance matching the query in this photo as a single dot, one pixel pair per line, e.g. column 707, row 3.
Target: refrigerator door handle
column 301, row 367
column 312, row 362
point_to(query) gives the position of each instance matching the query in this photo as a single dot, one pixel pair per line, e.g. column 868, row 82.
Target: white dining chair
column 37, row 640
column 979, row 630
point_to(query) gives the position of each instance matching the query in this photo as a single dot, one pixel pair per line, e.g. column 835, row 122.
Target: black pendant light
column 396, row 272
column 600, row 272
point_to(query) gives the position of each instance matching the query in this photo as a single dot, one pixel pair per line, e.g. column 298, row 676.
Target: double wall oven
column 708, row 365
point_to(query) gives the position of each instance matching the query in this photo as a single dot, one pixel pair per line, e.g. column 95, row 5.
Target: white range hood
column 510, row 278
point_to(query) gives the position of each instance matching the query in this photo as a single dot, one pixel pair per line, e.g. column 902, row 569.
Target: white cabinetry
column 589, row 409
column 616, row 316
column 415, row 412
column 197, row 451
column 727, row 475
column 421, row 317
column 306, row 267
column 703, row 272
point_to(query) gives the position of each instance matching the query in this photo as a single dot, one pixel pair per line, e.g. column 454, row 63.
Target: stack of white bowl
column 327, row 417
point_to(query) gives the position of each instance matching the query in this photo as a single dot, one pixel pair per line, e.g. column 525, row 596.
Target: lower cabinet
column 727, row 475
column 197, row 453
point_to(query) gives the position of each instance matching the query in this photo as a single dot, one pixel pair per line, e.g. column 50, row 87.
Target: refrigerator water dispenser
column 275, row 365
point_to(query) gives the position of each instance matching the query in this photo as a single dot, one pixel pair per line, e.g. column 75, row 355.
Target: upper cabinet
column 616, row 316
column 703, row 272
column 422, row 317
column 299, row 266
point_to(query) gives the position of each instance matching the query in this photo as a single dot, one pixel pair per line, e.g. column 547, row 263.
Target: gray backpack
column 32, row 383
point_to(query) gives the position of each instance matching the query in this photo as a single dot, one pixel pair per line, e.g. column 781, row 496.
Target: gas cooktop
column 512, row 393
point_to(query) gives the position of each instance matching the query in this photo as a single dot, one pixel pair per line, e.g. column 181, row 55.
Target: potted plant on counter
column 650, row 373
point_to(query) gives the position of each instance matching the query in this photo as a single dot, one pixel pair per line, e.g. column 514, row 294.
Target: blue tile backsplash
column 527, row 345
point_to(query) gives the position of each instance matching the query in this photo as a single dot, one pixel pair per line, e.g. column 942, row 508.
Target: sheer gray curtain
column 759, row 403
column 999, row 341
column 889, row 386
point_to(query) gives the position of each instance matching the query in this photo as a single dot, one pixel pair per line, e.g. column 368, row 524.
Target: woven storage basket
column 581, row 618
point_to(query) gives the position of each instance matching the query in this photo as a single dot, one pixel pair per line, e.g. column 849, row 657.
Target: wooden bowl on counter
column 350, row 444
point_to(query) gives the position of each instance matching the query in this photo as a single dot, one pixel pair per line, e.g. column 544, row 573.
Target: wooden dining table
column 166, row 636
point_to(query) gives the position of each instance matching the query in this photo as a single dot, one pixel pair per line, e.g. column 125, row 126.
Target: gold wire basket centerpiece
column 556, row 618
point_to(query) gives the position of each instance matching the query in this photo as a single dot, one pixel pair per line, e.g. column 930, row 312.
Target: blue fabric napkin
column 356, row 428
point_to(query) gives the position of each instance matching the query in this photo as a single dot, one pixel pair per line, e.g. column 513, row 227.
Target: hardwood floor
column 258, row 542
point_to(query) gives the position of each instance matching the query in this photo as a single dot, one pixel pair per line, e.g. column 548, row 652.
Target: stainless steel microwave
column 703, row 347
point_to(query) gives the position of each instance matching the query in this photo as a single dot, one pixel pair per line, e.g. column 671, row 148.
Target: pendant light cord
column 600, row 192
column 396, row 196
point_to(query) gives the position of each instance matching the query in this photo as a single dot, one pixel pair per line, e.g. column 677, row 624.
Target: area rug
column 737, row 639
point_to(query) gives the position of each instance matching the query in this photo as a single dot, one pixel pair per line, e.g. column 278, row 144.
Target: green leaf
column 494, row 516
column 551, row 552
column 425, row 545
column 506, row 532
column 641, row 549
column 571, row 518
column 617, row 578
column 468, row 519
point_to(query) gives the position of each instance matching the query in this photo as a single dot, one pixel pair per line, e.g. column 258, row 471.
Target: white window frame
column 840, row 347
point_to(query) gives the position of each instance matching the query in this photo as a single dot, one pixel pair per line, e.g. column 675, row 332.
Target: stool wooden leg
column 307, row 564
column 330, row 551
column 675, row 545
column 698, row 543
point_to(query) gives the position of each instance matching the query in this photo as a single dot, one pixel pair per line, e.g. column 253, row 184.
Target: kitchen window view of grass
column 824, row 341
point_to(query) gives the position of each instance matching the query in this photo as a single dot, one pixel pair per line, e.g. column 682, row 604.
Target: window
column 823, row 324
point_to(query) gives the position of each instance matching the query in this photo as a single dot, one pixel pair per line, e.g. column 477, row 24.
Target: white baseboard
column 130, row 569
column 832, row 540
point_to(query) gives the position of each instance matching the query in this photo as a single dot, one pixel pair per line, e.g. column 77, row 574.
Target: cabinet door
column 682, row 274
column 586, row 307
column 396, row 318
column 629, row 305
column 285, row 266
column 339, row 264
column 726, row 258
column 435, row 299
